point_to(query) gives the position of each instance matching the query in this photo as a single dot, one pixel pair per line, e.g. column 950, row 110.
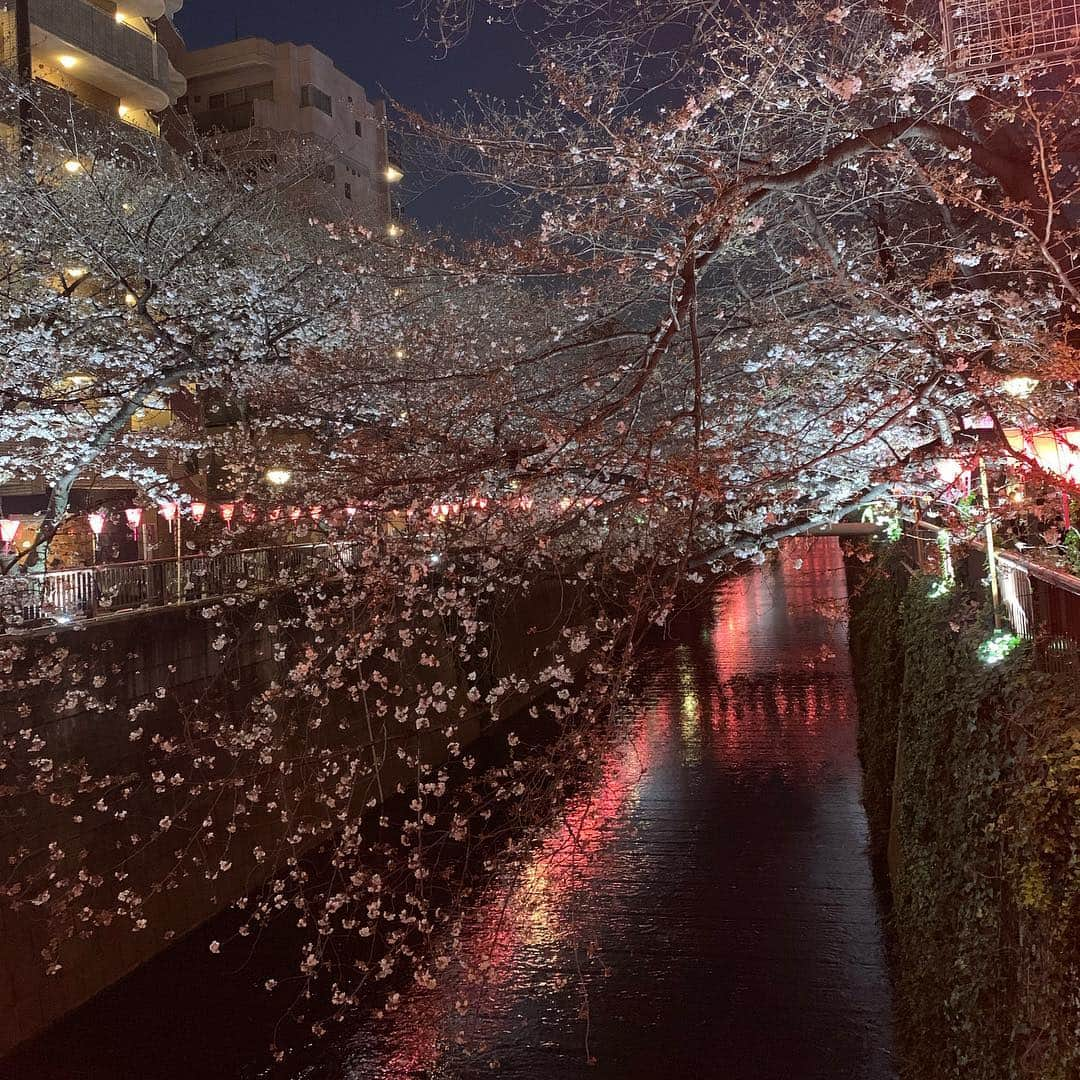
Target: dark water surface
column 706, row 911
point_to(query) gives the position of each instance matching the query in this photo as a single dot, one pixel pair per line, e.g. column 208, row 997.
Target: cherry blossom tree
column 763, row 265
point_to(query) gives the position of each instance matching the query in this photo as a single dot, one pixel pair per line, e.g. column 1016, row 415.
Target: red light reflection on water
column 722, row 697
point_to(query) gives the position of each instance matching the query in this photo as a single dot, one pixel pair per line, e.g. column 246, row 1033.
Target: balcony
column 113, row 56
column 232, row 118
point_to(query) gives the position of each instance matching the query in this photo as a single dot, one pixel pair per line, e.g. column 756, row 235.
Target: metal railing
column 62, row 596
column 1041, row 603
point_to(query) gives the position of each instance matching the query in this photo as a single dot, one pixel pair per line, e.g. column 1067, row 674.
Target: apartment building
column 255, row 92
column 106, row 56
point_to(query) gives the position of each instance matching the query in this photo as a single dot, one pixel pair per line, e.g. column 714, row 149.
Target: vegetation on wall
column 986, row 879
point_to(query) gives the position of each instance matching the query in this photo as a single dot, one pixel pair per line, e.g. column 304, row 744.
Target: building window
column 312, row 96
column 242, row 95
column 359, row 130
column 348, row 191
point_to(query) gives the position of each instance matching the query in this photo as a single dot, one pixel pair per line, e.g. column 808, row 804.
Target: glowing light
column 130, row 299
column 393, row 230
column 97, row 523
column 227, row 510
column 198, row 509
column 351, row 511
column 315, row 512
column 122, row 110
column 997, row 646
column 399, row 354
column 949, row 469
column 75, row 272
column 168, row 511
column 8, row 528
column 73, row 165
column 134, row 519
column 1020, row 387
column 294, row 513
column 393, row 174
column 67, row 61
column 278, row 477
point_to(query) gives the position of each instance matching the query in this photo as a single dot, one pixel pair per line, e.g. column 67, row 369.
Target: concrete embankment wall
column 76, row 691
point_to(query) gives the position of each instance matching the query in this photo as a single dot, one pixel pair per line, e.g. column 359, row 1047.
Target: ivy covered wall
column 985, row 878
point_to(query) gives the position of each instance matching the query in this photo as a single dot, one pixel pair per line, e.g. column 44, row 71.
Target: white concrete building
column 258, row 87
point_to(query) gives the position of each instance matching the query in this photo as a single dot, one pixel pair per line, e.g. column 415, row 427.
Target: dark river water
column 706, row 910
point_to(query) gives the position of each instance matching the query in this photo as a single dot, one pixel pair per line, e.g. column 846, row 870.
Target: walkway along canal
column 706, row 910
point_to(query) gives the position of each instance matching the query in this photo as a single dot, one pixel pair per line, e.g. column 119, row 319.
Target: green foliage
column 1072, row 549
column 986, row 883
column 874, row 632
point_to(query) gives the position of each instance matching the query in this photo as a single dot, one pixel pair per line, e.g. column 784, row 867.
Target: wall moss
column 986, row 886
column 877, row 590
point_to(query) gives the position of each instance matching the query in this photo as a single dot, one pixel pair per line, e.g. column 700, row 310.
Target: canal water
column 705, row 910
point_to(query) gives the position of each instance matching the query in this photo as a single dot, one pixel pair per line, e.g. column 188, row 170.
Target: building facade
column 106, row 56
column 253, row 91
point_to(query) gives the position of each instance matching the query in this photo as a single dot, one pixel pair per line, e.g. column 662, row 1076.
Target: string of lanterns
column 174, row 511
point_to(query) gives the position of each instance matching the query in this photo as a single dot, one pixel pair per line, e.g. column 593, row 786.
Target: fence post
column 991, row 554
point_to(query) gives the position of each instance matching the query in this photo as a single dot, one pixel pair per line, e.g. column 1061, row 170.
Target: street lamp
column 278, row 477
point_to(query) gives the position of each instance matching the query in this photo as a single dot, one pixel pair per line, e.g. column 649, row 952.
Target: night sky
column 378, row 43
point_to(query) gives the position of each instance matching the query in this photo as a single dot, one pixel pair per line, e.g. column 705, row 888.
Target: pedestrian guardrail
column 62, row 596
column 1041, row 603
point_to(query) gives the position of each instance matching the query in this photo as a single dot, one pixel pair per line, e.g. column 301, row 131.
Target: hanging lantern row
column 442, row 511
column 1057, row 452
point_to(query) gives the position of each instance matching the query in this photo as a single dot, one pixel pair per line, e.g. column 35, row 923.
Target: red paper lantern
column 198, row 509
column 97, row 523
column 227, row 510
column 949, row 469
column 168, row 511
column 8, row 528
column 134, row 520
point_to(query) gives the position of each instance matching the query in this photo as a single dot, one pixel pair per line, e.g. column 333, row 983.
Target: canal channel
column 705, row 909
